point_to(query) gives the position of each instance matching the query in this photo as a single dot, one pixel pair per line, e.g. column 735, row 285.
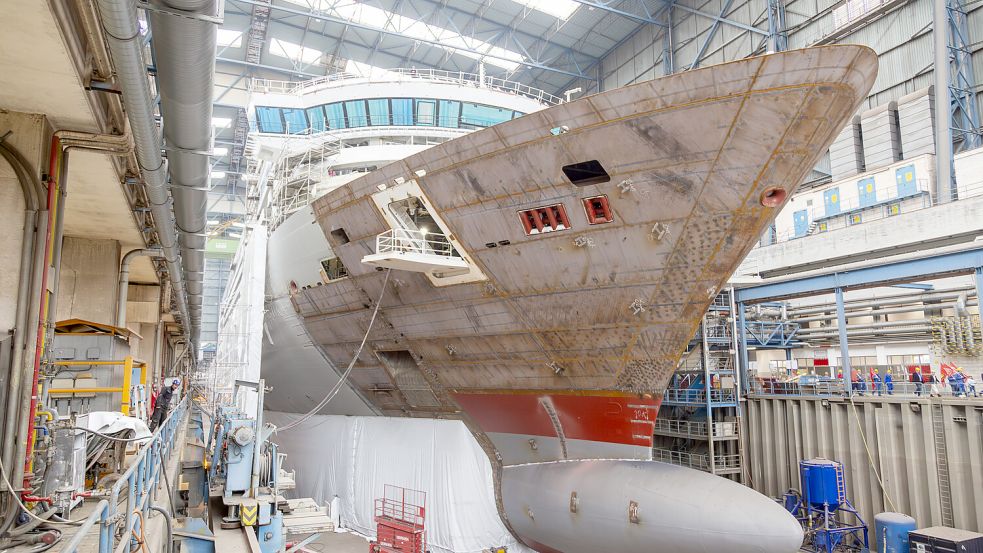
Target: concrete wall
column 936, row 226
column 901, row 439
column 89, row 274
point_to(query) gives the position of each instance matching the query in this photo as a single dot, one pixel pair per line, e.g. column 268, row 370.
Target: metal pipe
column 890, row 300
column 185, row 63
column 167, row 522
column 943, row 109
column 119, row 20
column 893, row 311
column 884, row 324
column 32, row 190
column 124, row 281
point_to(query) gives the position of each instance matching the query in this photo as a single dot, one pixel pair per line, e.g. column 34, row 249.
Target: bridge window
column 357, row 115
column 478, row 115
column 336, row 115
column 316, row 116
column 426, row 113
column 296, row 120
column 269, row 120
column 403, row 112
column 379, row 112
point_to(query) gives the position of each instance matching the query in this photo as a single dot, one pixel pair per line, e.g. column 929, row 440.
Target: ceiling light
column 218, row 174
column 220, row 151
column 221, row 122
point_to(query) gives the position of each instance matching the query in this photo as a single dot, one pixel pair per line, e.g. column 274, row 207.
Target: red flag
column 947, row 370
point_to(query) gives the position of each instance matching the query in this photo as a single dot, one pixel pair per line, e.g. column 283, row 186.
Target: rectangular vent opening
column 544, row 219
column 597, row 209
column 586, row 172
column 340, row 235
column 333, row 269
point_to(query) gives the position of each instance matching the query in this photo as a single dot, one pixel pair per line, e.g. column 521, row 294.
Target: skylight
column 557, row 8
column 218, row 174
column 414, row 28
column 229, row 38
column 364, row 69
column 221, row 122
column 294, row 52
column 220, row 151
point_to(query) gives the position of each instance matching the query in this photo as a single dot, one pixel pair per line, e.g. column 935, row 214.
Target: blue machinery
column 830, row 521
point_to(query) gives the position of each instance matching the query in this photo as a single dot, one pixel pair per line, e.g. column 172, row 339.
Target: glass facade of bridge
column 381, row 112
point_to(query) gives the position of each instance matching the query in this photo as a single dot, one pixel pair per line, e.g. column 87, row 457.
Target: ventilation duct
column 184, row 49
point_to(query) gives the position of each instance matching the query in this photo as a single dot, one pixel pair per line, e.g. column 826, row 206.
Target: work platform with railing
column 417, row 251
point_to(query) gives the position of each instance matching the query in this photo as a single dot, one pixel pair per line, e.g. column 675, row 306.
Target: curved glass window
column 268, row 120
column 357, row 115
column 479, row 115
column 450, row 114
column 316, row 116
column 296, row 120
column 336, row 115
column 400, row 112
column 426, row 113
column 379, row 112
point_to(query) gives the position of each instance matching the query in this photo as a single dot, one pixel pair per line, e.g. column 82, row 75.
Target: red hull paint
column 617, row 419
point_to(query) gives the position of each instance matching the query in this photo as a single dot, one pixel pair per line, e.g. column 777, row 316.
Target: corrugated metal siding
column 899, row 436
column 903, row 39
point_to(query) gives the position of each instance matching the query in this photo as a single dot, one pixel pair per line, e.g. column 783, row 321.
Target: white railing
column 459, row 78
column 699, row 461
column 414, row 241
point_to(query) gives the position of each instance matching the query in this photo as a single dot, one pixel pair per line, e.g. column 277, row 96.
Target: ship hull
column 555, row 346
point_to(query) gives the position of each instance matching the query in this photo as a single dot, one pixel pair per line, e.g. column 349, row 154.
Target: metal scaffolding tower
column 699, row 422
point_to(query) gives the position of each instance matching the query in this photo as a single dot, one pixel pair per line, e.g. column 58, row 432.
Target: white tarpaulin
column 111, row 422
column 354, row 457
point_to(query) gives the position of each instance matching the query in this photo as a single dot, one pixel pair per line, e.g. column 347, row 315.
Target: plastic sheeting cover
column 111, row 422
column 354, row 457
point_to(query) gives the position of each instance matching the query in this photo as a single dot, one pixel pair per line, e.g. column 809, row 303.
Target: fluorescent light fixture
column 221, row 122
column 228, row 38
column 557, row 8
column 235, row 235
column 414, row 28
column 213, row 222
column 294, row 52
column 218, row 174
column 238, row 225
column 220, row 151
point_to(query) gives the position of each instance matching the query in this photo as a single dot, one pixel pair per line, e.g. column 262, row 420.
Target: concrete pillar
column 89, row 271
column 29, row 135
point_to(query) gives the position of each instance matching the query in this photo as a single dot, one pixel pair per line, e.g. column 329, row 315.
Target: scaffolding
column 699, row 422
column 303, row 162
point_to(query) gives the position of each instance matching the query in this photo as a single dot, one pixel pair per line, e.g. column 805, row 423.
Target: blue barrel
column 821, row 480
column 891, row 532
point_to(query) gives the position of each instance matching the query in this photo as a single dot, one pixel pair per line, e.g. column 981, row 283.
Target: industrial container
column 891, row 532
column 822, row 483
column 941, row 539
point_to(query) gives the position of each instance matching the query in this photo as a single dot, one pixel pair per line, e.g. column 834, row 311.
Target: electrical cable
column 344, row 377
column 108, row 437
column 870, row 457
column 10, row 490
